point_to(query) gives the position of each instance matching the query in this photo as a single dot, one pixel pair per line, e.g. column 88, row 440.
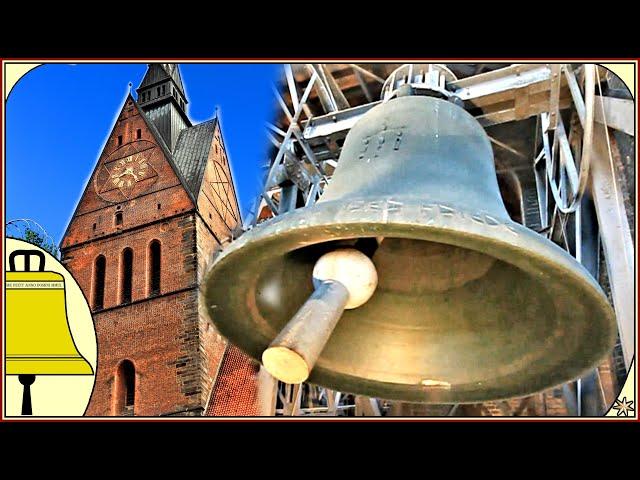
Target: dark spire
column 161, row 96
column 158, row 73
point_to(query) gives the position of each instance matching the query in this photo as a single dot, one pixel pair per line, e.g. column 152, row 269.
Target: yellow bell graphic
column 38, row 339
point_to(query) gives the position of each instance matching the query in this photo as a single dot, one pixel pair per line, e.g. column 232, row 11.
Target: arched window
column 125, row 389
column 99, row 269
column 126, row 275
column 154, row 268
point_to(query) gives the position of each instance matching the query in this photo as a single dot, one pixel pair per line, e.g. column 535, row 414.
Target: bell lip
column 433, row 396
column 48, row 366
column 499, row 237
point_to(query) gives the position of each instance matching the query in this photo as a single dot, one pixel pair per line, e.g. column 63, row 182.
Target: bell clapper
column 343, row 279
column 26, row 381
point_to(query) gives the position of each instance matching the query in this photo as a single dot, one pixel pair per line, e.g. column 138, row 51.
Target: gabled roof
column 192, row 151
column 167, row 153
column 158, row 72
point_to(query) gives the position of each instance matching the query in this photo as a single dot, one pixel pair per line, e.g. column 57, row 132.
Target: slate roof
column 235, row 392
column 192, row 150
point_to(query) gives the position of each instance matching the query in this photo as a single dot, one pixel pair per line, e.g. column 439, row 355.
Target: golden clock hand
column 127, row 171
column 130, row 171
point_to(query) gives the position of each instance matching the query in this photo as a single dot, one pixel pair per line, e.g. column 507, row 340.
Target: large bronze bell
column 470, row 306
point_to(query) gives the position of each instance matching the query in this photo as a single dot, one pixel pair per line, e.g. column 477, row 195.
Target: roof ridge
column 190, row 128
column 167, row 152
column 211, row 120
column 192, row 151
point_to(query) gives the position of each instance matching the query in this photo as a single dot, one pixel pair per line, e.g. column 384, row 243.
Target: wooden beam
column 336, row 90
column 363, row 85
column 507, row 111
column 617, row 243
column 506, row 95
column 321, row 89
column 366, row 72
column 495, row 74
column 367, row 407
column 619, row 113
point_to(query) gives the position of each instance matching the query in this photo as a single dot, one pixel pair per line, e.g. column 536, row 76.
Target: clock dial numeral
column 127, row 176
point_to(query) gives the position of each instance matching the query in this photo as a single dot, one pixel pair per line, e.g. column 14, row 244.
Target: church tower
column 159, row 203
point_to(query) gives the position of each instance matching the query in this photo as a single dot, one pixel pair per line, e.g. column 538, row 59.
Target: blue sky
column 58, row 118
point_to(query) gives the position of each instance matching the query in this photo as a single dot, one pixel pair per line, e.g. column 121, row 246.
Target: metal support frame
column 313, row 400
column 495, row 92
column 616, row 238
column 568, row 183
column 367, row 407
column 515, row 92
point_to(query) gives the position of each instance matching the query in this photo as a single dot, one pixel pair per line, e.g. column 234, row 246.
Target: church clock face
column 128, row 172
column 223, row 191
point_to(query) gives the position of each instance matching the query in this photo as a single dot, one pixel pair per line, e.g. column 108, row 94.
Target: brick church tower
column 158, row 204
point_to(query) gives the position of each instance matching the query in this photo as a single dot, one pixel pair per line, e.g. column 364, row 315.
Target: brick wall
column 212, row 343
column 221, row 216
column 159, row 335
column 178, row 269
column 138, row 211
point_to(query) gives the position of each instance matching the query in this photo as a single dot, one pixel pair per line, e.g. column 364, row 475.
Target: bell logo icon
column 50, row 339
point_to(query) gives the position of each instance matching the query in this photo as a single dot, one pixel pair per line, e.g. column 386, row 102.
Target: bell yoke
column 408, row 280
